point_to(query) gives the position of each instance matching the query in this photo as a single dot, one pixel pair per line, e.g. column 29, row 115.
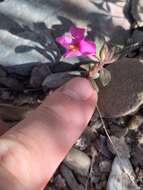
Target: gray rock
column 137, row 36
column 122, row 176
column 18, row 49
column 121, row 147
column 78, row 161
column 137, row 11
column 124, row 94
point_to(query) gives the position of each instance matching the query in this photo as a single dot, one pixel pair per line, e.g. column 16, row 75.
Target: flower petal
column 87, row 47
column 64, row 40
column 76, row 32
column 72, row 53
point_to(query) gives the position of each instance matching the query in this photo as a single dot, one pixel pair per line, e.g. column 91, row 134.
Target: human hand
column 31, row 151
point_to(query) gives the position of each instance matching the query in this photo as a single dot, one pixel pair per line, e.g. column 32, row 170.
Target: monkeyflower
column 76, row 44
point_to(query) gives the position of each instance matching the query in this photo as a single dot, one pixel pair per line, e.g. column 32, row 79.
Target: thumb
column 40, row 142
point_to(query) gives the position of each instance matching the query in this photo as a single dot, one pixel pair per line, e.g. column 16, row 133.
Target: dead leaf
column 94, row 71
column 104, row 52
column 105, row 77
column 85, row 66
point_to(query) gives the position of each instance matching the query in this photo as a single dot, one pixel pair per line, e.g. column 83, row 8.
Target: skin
column 31, row 151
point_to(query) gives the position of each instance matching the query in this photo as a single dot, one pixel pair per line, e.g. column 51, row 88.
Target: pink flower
column 75, row 43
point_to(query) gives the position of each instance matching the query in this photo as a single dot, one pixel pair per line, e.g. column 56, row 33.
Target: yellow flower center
column 72, row 47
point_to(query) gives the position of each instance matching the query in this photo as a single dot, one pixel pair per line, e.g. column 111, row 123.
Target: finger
column 40, row 142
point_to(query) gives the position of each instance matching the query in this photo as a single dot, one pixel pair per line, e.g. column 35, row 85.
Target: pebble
column 105, row 166
column 78, row 161
column 59, row 182
column 70, row 179
column 135, row 122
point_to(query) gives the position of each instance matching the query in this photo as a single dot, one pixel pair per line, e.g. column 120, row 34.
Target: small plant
column 76, row 43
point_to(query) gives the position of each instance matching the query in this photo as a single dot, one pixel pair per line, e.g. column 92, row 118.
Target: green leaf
column 99, row 44
column 105, row 77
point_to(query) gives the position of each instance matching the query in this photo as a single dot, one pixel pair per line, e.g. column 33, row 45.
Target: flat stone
column 137, row 11
column 124, row 94
column 78, row 161
column 122, row 176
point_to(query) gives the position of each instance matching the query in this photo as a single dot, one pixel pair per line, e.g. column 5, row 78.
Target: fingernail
column 78, row 88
